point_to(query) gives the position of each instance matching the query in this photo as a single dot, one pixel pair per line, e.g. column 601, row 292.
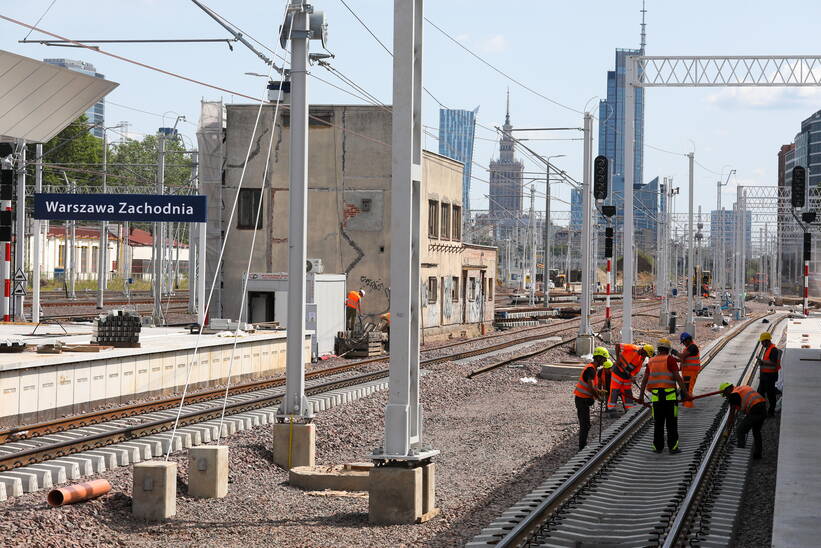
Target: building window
column 433, row 219
column 432, row 290
column 471, row 289
column 454, row 293
column 247, row 208
column 490, row 289
column 445, row 221
column 83, row 259
column 61, row 256
column 456, row 233
column 94, row 256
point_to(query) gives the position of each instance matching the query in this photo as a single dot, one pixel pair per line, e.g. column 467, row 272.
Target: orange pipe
column 78, row 493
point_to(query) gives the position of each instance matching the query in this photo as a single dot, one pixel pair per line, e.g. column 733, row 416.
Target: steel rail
column 126, row 433
column 581, row 477
column 680, row 525
column 74, row 421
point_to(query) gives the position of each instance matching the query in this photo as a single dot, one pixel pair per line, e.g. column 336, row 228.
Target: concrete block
column 428, row 488
column 3, row 495
column 337, row 478
column 140, row 451
column 13, row 484
column 294, row 444
column 57, row 473
column 29, row 480
column 71, row 469
column 154, row 493
column 110, row 457
column 85, row 464
column 208, row 471
column 395, row 495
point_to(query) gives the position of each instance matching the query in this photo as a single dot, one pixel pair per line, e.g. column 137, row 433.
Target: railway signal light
column 799, row 186
column 6, row 184
column 600, row 176
column 808, row 216
column 608, row 242
column 807, row 246
column 5, row 226
column 608, row 210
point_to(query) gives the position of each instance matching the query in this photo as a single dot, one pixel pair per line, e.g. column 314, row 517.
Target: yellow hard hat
column 601, row 351
column 607, row 365
column 766, row 336
column 648, row 348
column 664, row 343
column 724, row 386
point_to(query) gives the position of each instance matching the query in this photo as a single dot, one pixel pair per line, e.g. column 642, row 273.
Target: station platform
column 36, row 387
column 796, row 514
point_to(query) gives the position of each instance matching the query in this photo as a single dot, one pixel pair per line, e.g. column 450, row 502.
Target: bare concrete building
column 349, row 214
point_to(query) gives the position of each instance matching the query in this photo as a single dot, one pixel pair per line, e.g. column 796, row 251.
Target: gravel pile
column 755, row 524
column 499, row 438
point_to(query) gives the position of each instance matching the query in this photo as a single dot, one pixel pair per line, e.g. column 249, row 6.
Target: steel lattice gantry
column 694, row 71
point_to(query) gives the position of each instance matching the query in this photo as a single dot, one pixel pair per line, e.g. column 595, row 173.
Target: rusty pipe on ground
column 78, row 493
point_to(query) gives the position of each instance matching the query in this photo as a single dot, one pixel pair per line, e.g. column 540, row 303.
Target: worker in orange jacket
column 353, row 307
column 769, row 365
column 630, row 359
column 690, row 360
column 586, row 392
column 662, row 378
column 754, row 407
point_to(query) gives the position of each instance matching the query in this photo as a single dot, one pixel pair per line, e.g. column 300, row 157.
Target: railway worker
column 661, row 378
column 630, row 359
column 690, row 359
column 769, row 365
column 586, row 392
column 754, row 407
column 353, row 307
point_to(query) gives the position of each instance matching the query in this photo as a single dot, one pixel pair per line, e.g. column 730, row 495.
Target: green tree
column 74, row 151
column 135, row 163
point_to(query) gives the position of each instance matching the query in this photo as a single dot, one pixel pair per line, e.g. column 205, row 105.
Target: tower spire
column 643, row 27
column 507, row 109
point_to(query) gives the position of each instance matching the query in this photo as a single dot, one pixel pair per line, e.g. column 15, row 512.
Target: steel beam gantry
column 694, row 71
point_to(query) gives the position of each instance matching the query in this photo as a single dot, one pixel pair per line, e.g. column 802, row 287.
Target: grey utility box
column 324, row 305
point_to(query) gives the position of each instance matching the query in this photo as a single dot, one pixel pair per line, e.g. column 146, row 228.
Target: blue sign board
column 120, row 207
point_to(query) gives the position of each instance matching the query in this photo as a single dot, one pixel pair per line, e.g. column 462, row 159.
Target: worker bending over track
column 586, row 392
column 690, row 359
column 353, row 307
column 630, row 359
column 754, row 407
column 661, row 378
column 769, row 365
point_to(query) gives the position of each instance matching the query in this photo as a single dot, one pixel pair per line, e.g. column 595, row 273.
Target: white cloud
column 494, row 44
column 766, row 98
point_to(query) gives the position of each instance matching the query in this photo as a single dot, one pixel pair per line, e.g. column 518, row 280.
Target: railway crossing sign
column 20, row 276
column 19, row 289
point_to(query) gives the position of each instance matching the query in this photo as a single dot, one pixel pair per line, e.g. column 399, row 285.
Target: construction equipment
column 363, row 341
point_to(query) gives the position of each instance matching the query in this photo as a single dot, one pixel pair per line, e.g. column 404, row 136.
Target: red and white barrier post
column 807, row 252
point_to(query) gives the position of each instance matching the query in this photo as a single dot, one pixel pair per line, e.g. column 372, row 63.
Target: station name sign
column 120, row 207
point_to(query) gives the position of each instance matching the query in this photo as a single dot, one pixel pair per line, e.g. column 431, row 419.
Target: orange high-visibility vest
column 692, row 363
column 749, row 397
column 584, row 389
column 770, row 368
column 353, row 299
column 659, row 376
column 630, row 360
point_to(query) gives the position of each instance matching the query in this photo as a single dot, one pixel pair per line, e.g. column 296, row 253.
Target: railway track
column 619, row 493
column 96, row 417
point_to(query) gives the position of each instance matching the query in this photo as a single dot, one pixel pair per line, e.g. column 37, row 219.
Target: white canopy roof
column 38, row 100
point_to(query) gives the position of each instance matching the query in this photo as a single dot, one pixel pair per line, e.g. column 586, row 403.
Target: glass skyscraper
column 95, row 114
column 612, row 129
column 457, row 129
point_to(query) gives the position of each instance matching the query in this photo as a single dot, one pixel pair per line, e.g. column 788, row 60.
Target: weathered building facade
column 348, row 214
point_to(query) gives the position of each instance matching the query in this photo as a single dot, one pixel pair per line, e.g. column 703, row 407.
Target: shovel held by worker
column 691, row 398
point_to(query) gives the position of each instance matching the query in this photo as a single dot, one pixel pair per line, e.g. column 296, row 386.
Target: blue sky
column 561, row 49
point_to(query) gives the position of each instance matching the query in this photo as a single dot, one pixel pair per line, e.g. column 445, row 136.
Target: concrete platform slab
column 798, row 484
column 338, row 477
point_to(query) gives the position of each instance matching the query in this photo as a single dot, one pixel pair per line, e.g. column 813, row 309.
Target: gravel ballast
column 499, row 438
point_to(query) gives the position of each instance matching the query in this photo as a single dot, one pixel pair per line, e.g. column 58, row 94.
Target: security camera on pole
column 798, row 200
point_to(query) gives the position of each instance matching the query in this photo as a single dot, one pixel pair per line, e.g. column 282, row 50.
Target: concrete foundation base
column 294, row 444
column 208, row 471
column 348, row 477
column 664, row 320
column 399, row 495
column 690, row 327
column 561, row 372
column 584, row 345
column 154, row 493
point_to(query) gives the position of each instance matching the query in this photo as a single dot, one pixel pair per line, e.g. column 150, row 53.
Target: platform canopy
column 38, row 100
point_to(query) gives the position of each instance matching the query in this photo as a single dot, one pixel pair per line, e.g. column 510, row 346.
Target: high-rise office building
column 457, row 129
column 722, row 229
column 506, row 177
column 95, row 114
